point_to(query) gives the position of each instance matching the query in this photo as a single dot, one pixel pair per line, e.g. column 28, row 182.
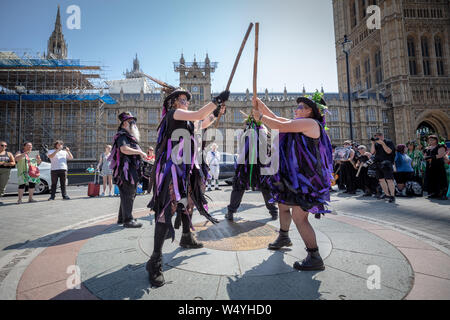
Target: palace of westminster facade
column 399, row 76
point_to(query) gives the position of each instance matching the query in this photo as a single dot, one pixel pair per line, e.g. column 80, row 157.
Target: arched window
column 353, row 15
column 378, row 67
column 367, row 73
column 363, row 4
column 412, row 56
column 426, row 56
column 439, row 56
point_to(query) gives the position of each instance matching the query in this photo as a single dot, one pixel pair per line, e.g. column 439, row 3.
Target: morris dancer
column 179, row 187
column 248, row 173
column 125, row 161
column 305, row 172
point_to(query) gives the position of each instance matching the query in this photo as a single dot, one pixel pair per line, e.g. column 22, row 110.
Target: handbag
column 33, row 171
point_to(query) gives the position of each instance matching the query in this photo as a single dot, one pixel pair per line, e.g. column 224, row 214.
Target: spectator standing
column 23, row 164
column 384, row 151
column 105, row 171
column 369, row 184
column 436, row 176
column 213, row 161
column 404, row 170
column 6, row 163
column 348, row 170
column 58, row 159
column 148, row 165
column 418, row 164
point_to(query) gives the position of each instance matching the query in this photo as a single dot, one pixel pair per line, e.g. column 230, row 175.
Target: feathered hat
column 172, row 95
column 317, row 104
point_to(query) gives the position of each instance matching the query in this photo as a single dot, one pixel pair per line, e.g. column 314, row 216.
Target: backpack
column 413, row 189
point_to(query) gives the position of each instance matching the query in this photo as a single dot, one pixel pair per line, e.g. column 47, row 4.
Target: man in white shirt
column 58, row 158
column 213, row 161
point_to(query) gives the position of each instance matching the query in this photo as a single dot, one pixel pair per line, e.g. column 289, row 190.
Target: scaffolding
column 43, row 100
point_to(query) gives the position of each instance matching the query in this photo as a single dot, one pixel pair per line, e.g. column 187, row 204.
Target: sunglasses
column 183, row 101
column 3, row 145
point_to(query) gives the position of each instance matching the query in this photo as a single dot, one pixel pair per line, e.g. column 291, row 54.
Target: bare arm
column 307, row 126
column 208, row 121
column 12, row 161
column 100, row 161
column 69, row 155
column 441, row 153
column 186, row 115
column 385, row 147
column 352, row 155
column 267, row 112
column 52, row 155
column 131, row 152
column 372, row 148
column 19, row 156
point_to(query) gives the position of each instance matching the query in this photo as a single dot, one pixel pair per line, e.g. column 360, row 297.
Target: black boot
column 229, row 216
column 274, row 215
column 154, row 268
column 312, row 262
column 283, row 240
column 188, row 241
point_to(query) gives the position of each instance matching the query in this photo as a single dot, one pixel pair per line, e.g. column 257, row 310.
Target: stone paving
column 358, row 240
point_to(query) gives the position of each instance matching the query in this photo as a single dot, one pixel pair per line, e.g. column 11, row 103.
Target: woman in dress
column 302, row 183
column 23, row 164
column 106, row 172
column 177, row 178
column 435, row 173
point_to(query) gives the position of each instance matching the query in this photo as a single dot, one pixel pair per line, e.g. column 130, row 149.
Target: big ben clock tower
column 196, row 77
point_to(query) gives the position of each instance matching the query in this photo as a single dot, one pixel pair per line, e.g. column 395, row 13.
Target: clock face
column 194, row 89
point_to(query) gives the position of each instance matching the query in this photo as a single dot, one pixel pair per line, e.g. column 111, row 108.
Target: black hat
column 124, row 116
column 313, row 106
column 169, row 100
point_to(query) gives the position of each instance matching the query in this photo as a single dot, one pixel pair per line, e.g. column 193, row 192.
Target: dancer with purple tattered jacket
column 179, row 185
column 125, row 161
column 303, row 180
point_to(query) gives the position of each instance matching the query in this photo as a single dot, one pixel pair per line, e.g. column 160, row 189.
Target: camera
column 374, row 139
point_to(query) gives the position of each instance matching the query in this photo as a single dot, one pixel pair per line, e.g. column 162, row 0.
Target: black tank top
column 4, row 158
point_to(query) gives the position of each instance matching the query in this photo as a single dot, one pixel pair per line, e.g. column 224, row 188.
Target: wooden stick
column 255, row 63
column 236, row 62
column 238, row 57
column 161, row 83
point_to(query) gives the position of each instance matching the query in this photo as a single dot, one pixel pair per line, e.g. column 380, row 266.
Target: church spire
column 56, row 46
column 58, row 27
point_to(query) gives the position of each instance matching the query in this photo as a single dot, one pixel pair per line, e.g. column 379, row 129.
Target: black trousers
column 127, row 196
column 349, row 176
column 61, row 175
column 237, row 195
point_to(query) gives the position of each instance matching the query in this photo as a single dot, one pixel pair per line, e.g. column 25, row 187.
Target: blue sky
column 296, row 44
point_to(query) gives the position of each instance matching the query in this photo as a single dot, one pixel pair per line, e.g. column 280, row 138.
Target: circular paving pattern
column 240, row 235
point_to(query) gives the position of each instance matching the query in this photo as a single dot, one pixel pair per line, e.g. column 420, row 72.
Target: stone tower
column 196, row 77
column 57, row 46
column 407, row 61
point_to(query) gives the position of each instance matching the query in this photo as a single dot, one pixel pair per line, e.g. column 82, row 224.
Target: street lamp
column 346, row 46
column 20, row 90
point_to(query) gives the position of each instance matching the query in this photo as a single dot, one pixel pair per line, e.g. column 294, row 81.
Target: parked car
column 42, row 187
column 227, row 163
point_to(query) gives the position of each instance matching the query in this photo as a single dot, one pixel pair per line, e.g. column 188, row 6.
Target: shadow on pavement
column 289, row 286
column 77, row 235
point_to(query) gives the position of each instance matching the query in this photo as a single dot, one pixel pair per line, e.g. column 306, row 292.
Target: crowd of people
column 388, row 171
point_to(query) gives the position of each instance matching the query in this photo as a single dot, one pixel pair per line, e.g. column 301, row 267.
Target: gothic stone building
column 406, row 63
